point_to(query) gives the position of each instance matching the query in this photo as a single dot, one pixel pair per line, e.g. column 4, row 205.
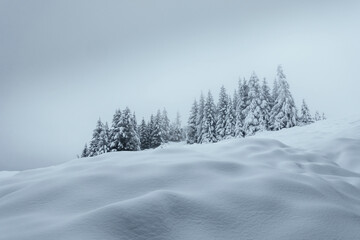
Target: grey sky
column 65, row 63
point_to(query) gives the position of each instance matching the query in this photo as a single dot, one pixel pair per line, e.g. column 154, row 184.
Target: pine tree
column 115, row 135
column 176, row 134
column 144, row 135
column 235, row 102
column 165, row 126
column 85, row 152
column 155, row 135
column 103, row 144
column 191, row 129
column 209, row 121
column 283, row 114
column 266, row 104
column 242, row 103
column 150, row 130
column 200, row 119
column 222, row 108
column 323, row 117
column 305, row 116
column 253, row 115
column 230, row 120
column 275, row 90
column 134, row 121
column 129, row 137
column 317, row 116
column 94, row 144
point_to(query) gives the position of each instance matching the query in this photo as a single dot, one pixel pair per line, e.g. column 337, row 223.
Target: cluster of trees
column 126, row 135
column 253, row 107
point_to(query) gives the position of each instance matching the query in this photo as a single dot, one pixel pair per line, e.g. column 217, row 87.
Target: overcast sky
column 64, row 64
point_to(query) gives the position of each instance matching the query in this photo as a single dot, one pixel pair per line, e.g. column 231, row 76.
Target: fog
column 64, row 64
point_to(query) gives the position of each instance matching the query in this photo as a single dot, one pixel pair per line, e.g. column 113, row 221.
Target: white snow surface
column 299, row 183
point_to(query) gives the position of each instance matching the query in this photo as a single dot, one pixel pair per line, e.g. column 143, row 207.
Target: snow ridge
column 298, row 183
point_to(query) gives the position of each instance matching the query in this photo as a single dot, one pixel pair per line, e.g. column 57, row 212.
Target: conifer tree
column 222, row 109
column 230, row 120
column 155, row 135
column 129, row 137
column 115, row 134
column 165, row 126
column 103, row 144
column 200, row 119
column 85, row 152
column 209, row 121
column 317, row 116
column 144, row 135
column 94, row 149
column 235, row 101
column 150, row 128
column 283, row 114
column 176, row 134
column 323, row 117
column 266, row 104
column 275, row 90
column 242, row 103
column 135, row 125
column 191, row 129
column 305, row 116
column 253, row 114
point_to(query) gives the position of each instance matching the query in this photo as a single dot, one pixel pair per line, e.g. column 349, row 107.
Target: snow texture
column 298, row 183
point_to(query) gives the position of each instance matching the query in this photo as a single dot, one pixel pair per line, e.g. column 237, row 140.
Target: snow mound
column 299, row 183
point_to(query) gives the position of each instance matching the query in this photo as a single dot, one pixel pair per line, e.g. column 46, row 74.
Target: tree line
column 126, row 135
column 252, row 107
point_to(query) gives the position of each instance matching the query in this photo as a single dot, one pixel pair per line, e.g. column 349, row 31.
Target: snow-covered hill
column 299, row 183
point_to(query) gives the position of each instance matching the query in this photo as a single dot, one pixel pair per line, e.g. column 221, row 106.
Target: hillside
column 299, row 183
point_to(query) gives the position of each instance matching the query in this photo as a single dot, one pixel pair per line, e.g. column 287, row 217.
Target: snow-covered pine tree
column 235, row 100
column 242, row 103
column 253, row 115
column 230, row 120
column 135, row 125
column 266, row 103
column 115, row 136
column 305, row 116
column 191, row 129
column 323, row 117
column 176, row 134
column 85, row 152
column 165, row 126
column 94, row 143
column 238, row 112
column 144, row 135
column 317, row 116
column 275, row 90
column 283, row 113
column 221, row 113
column 150, row 128
column 209, row 121
column 155, row 135
column 129, row 137
column 200, row 119
column 104, row 139
column 234, row 106
column 183, row 134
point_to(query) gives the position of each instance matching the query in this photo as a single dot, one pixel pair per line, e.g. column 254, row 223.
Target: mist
column 64, row 64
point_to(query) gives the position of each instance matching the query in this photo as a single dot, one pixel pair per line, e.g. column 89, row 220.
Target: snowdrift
column 299, row 183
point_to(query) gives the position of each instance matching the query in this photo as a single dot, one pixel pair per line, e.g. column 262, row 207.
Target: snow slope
column 299, row 183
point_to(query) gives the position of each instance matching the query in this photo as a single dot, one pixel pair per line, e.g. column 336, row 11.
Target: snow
column 298, row 183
